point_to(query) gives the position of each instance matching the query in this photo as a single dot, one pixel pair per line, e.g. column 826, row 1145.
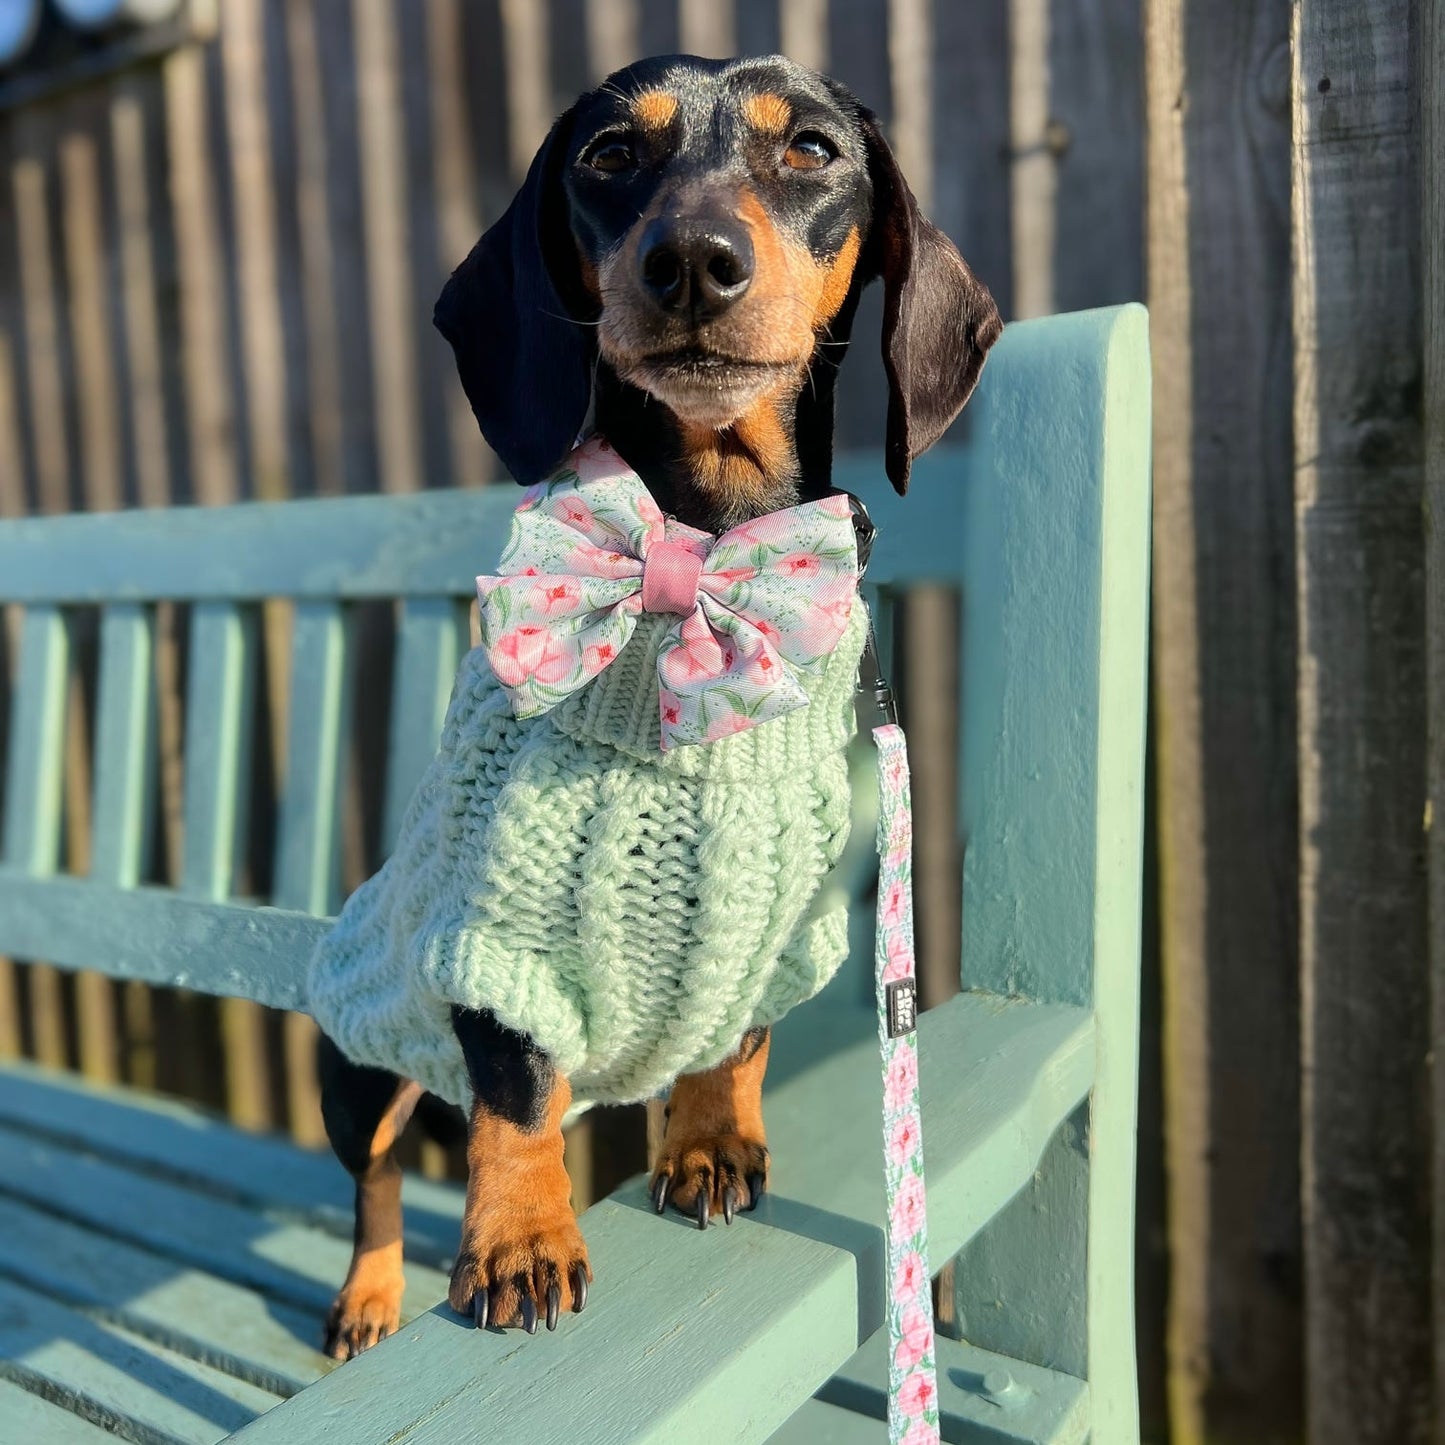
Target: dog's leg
column 522, row 1257
column 714, row 1156
column 365, row 1111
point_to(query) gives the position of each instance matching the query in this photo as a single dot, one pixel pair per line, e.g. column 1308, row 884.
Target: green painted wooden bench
column 164, row 1276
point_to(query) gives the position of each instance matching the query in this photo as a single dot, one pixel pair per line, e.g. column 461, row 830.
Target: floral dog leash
column 589, row 552
column 913, row 1417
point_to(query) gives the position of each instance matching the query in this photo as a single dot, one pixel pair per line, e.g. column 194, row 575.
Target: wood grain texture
column 165, row 1137
column 287, row 1262
column 1364, row 984
column 105, row 1373
column 163, row 937
column 1431, row 70
column 1224, row 698
column 814, row 1249
column 195, row 1313
column 428, row 545
column 1095, row 135
column 30, row 1417
column 1056, row 561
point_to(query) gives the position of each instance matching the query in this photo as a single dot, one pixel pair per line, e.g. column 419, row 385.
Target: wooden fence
column 216, row 277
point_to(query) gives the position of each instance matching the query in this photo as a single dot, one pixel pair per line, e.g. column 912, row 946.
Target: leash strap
column 912, row 1378
column 912, row 1385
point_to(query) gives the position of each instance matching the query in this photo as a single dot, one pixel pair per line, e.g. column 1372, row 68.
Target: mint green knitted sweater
column 633, row 911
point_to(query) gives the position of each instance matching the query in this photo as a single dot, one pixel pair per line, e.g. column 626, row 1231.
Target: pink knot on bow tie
column 755, row 609
column 669, row 578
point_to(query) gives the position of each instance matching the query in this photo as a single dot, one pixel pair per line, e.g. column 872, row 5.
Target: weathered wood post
column 1432, row 215
column 1359, row 470
column 1217, row 90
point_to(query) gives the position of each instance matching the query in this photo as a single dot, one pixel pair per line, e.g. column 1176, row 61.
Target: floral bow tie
column 590, row 550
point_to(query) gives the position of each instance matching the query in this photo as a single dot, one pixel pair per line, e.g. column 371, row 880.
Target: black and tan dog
column 685, row 260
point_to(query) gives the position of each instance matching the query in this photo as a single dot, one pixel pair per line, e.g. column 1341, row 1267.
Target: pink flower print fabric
column 912, row 1385
column 772, row 598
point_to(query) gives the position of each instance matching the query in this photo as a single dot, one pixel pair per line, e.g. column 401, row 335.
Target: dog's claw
column 554, row 1304
column 529, row 1314
column 702, row 1211
column 730, row 1204
column 579, row 1290
column 659, row 1193
column 480, row 1305
column 755, row 1190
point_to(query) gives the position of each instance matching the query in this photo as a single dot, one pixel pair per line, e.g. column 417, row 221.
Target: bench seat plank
column 737, row 1327
column 150, row 1393
column 273, row 1346
column 732, row 1327
column 290, row 1263
column 27, row 1419
column 181, row 1142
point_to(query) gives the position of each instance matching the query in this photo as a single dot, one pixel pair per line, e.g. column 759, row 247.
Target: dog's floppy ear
column 938, row 317
column 511, row 312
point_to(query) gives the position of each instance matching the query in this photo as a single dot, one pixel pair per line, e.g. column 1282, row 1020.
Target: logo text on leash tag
column 902, row 999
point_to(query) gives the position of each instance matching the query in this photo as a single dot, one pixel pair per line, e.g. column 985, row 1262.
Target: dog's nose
column 695, row 266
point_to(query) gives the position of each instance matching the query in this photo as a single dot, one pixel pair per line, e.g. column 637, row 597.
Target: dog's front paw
column 707, row 1174
column 366, row 1311
column 521, row 1265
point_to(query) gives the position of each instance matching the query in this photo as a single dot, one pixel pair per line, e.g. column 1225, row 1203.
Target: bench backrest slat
column 308, row 862
column 34, row 779
column 431, row 639
column 220, row 707
column 125, row 749
column 423, row 545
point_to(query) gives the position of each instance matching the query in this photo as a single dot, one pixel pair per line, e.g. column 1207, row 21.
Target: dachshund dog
column 683, row 263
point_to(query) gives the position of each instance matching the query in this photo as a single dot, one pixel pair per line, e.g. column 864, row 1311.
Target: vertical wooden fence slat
column 308, row 870
column 529, row 90
column 459, row 214
column 137, row 260
column 611, row 35
column 220, row 706
column 323, row 374
column 95, row 356
column 200, row 262
column 803, row 32
column 1095, row 137
column 264, row 365
column 390, row 290
column 34, row 786
column 94, row 384
column 42, row 368
column 1364, row 978
column 1431, row 70
column 1224, row 707
column 707, row 27
column 1034, row 181
column 430, row 641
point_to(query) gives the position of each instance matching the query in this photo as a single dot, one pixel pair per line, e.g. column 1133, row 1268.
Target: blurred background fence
column 219, row 246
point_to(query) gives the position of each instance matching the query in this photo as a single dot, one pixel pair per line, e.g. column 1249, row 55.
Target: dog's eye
column 809, row 151
column 611, row 156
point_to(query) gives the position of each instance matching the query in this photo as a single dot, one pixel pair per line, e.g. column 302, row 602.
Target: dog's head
column 700, row 230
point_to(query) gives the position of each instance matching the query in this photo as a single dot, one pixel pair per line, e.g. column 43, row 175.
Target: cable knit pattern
column 633, row 911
